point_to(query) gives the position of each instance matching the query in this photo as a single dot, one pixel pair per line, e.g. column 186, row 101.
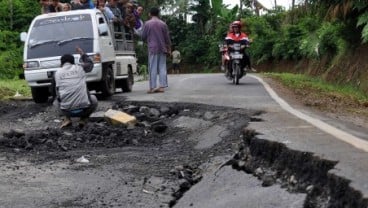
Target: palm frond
column 340, row 9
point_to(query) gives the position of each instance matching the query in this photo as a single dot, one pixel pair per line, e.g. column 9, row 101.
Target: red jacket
column 232, row 37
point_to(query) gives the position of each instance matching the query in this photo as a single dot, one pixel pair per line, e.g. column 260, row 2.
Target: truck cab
column 52, row 35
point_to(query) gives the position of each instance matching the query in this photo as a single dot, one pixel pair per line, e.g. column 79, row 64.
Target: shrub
column 263, row 36
column 309, row 42
column 288, row 42
column 330, row 38
column 363, row 21
column 10, row 64
column 11, row 57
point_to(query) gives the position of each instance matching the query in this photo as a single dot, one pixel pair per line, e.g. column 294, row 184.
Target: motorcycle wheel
column 236, row 74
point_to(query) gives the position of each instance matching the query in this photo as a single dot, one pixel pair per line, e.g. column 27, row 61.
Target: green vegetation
column 319, row 87
column 15, row 17
column 143, row 71
column 278, row 34
column 9, row 87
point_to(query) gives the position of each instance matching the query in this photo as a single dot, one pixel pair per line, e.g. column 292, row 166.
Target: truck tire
column 108, row 83
column 127, row 84
column 40, row 94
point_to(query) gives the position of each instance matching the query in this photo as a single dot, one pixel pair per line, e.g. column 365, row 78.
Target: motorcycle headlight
column 31, row 65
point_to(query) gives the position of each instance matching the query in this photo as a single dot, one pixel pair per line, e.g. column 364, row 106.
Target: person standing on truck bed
column 101, row 5
column 55, row 6
column 81, row 4
column 129, row 20
column 156, row 34
column 121, row 5
column 67, row 7
column 73, row 97
column 45, row 6
column 118, row 18
column 139, row 22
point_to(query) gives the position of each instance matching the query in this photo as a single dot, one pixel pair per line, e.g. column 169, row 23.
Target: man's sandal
column 150, row 91
column 159, row 90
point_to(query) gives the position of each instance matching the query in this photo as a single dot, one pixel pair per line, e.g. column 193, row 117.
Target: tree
column 16, row 15
column 201, row 13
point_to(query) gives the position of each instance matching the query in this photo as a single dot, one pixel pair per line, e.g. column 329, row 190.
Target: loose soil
column 153, row 163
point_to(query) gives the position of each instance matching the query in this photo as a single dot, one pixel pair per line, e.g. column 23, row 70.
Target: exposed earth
column 150, row 164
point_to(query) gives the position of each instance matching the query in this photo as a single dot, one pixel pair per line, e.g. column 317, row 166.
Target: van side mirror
column 23, row 36
column 102, row 29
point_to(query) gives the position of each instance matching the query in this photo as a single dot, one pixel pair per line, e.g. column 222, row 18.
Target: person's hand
column 169, row 52
column 79, row 50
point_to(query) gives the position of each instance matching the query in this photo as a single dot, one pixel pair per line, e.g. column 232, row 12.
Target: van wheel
column 40, row 94
column 127, row 84
column 108, row 83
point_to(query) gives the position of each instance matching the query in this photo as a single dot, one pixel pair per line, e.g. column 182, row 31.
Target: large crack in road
column 152, row 164
column 296, row 171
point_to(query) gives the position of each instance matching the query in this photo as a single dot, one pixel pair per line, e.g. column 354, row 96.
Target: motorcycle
column 233, row 63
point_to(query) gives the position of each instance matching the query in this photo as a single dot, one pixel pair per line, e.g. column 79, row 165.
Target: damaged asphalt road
column 148, row 165
column 182, row 153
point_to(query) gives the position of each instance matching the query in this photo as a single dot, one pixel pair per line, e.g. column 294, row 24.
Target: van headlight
column 31, row 65
column 96, row 58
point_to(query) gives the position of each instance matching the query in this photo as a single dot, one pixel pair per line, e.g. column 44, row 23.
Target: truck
column 54, row 34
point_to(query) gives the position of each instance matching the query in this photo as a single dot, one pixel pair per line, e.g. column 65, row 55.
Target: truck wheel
column 108, row 83
column 40, row 94
column 127, row 84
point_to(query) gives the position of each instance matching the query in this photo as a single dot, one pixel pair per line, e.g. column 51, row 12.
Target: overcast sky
column 267, row 3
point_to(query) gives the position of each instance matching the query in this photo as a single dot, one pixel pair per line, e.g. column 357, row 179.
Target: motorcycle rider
column 236, row 36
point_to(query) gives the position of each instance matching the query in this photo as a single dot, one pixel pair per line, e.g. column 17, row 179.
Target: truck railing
column 123, row 40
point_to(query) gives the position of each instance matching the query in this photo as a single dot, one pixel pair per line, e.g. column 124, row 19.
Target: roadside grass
column 321, row 91
column 9, row 87
column 143, row 73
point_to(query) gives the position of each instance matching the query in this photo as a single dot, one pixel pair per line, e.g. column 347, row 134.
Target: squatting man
column 72, row 96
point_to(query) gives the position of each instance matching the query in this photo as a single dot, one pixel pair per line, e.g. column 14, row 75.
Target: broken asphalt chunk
column 118, row 117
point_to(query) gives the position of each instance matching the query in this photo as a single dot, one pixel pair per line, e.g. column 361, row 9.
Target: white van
column 52, row 35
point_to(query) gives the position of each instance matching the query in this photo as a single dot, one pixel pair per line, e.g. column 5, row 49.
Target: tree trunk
column 11, row 14
column 292, row 4
column 240, row 9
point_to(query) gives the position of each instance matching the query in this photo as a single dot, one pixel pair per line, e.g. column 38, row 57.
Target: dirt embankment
column 350, row 69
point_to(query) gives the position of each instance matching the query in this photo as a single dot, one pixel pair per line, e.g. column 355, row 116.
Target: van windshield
column 56, row 36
